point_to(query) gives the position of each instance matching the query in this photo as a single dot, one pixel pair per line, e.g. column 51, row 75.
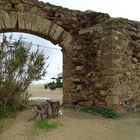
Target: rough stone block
column 110, row 100
column 79, row 68
column 103, row 92
column 47, row 27
column 112, row 71
column 13, row 19
column 79, row 87
column 55, row 32
column 2, row 26
column 76, row 80
column 6, row 19
column 66, row 39
column 36, row 23
column 21, row 21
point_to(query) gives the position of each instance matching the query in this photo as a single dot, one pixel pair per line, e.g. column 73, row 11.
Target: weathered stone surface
column 79, row 68
column 101, row 54
column 112, row 100
column 36, row 24
column 21, row 21
column 13, row 20
column 55, row 32
column 79, row 87
column 47, row 27
column 6, row 19
column 2, row 26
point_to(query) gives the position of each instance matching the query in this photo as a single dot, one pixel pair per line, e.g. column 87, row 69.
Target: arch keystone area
column 101, row 54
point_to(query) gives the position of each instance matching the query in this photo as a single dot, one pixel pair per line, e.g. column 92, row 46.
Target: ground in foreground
column 74, row 125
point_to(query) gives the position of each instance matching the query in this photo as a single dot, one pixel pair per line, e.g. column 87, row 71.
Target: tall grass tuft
column 6, row 112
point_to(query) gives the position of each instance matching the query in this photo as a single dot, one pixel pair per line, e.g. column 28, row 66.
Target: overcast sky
column 116, row 8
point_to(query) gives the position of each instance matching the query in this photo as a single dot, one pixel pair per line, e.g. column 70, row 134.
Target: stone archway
column 12, row 20
column 100, row 52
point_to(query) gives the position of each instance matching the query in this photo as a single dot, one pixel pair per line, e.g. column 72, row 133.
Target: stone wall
column 126, row 50
column 101, row 54
column 107, row 63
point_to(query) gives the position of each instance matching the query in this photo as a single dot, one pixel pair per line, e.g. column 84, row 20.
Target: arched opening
column 12, row 21
column 54, row 70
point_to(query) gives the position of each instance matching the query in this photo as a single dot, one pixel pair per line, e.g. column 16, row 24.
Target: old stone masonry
column 101, row 54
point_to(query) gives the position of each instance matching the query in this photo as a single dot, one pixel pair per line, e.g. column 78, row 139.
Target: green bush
column 6, row 112
column 106, row 112
column 55, row 84
column 52, row 87
column 59, row 85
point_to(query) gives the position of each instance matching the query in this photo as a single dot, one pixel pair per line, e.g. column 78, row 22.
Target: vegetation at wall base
column 45, row 125
column 106, row 112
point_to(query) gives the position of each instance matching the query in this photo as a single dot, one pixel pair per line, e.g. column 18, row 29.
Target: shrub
column 6, row 112
column 59, row 84
column 52, row 87
column 51, row 83
column 106, row 112
column 18, row 68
